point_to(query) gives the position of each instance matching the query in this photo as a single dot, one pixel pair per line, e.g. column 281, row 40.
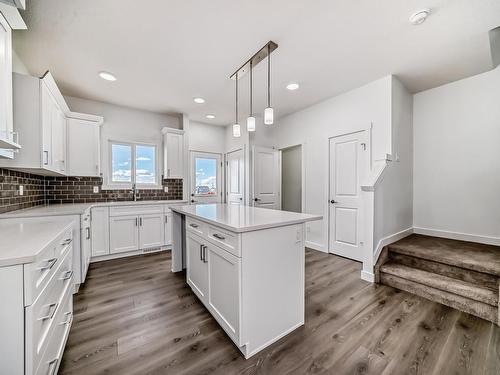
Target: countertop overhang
column 239, row 218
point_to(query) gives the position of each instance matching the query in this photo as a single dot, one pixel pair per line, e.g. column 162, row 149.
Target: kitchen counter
column 74, row 209
column 239, row 218
column 21, row 242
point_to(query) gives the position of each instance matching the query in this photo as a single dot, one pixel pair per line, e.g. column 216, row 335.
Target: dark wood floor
column 133, row 316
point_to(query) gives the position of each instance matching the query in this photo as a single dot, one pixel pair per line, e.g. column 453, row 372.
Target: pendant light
column 268, row 112
column 236, row 126
column 251, row 119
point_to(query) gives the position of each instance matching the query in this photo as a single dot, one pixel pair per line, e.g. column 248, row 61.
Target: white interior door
column 266, row 178
column 205, row 177
column 348, row 164
column 235, row 172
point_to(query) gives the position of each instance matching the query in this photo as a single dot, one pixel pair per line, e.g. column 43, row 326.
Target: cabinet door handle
column 49, row 265
column 88, row 233
column 67, row 241
column 69, row 315
column 46, row 162
column 136, row 222
column 166, row 219
column 218, row 236
column 53, row 366
column 52, row 311
column 140, row 221
column 67, row 275
column 201, row 252
column 193, row 225
column 205, row 254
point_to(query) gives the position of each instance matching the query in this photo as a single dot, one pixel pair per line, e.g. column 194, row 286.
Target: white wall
column 18, row 65
column 207, row 138
column 291, row 179
column 457, row 158
column 393, row 198
column 353, row 111
column 125, row 124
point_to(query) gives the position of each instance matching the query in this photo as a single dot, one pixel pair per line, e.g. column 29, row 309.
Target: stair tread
column 441, row 282
column 468, row 255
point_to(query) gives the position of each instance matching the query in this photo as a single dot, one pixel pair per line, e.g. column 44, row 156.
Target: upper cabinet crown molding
column 12, row 15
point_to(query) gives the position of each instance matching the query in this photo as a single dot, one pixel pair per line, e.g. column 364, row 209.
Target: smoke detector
column 419, row 17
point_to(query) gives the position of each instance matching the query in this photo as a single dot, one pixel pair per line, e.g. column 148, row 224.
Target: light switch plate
column 21, row 190
column 96, row 189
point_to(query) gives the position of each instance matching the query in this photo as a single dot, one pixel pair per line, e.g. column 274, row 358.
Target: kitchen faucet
column 134, row 192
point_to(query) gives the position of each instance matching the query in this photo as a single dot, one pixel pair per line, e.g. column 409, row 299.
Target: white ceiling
column 164, row 53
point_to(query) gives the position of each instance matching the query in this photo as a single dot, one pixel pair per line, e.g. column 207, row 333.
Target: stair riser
column 473, row 277
column 467, row 305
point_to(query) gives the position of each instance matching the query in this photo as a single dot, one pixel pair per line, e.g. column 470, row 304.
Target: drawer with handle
column 38, row 274
column 196, row 226
column 51, row 358
column 227, row 240
column 39, row 317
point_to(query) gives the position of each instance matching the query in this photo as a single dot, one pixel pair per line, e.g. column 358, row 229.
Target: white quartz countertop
column 239, row 218
column 76, row 208
column 21, row 242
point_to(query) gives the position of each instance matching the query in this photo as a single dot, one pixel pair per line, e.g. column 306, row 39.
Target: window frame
column 114, row 185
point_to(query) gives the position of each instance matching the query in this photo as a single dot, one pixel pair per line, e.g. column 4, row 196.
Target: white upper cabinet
column 83, row 145
column 173, row 143
column 7, row 139
column 42, row 117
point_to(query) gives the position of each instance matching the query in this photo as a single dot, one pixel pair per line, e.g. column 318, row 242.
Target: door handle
column 49, row 265
column 88, row 233
column 67, row 275
column 333, row 201
column 140, row 221
column 218, row 236
column 201, row 252
column 52, row 311
column 193, row 225
column 136, row 222
column 256, row 199
column 46, row 162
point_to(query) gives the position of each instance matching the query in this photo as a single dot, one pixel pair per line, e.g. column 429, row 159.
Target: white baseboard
column 388, row 240
column 129, row 254
column 316, row 246
column 458, row 236
column 367, row 276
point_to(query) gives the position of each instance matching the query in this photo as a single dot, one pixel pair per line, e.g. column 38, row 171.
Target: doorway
column 291, row 179
column 235, row 177
column 265, row 177
column 205, row 180
column 349, row 162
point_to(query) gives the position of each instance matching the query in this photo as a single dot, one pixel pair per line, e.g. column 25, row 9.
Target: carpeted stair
column 459, row 274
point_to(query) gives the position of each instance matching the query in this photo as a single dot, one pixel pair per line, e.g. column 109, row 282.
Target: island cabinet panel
column 224, row 294
column 197, row 266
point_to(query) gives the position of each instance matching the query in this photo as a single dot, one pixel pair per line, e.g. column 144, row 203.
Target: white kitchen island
column 246, row 265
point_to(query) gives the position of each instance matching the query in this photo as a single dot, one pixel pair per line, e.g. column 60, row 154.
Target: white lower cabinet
column 197, row 268
column 151, row 231
column 123, row 234
column 37, row 309
column 224, row 276
column 215, row 276
column 99, row 231
column 121, row 229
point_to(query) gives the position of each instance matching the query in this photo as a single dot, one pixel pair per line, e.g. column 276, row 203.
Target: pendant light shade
column 236, row 130
column 268, row 112
column 268, row 116
column 251, row 124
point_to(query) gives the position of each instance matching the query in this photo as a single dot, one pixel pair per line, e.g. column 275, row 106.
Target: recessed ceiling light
column 210, row 116
column 107, row 76
column 419, row 17
column 292, row 86
column 199, row 100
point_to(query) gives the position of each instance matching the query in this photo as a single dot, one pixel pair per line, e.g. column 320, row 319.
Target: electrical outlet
column 21, row 190
column 165, row 189
column 96, row 189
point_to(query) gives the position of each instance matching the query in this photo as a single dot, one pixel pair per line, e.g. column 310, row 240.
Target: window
column 206, row 176
column 133, row 163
